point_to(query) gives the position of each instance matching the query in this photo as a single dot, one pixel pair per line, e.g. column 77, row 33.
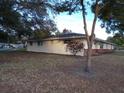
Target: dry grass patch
column 23, row 72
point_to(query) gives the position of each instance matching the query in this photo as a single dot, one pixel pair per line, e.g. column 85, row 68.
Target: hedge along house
column 58, row 44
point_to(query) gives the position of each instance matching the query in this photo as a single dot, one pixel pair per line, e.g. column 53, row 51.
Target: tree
column 117, row 39
column 65, row 31
column 75, row 5
column 3, row 36
column 112, row 15
column 26, row 16
column 41, row 34
column 9, row 18
column 36, row 14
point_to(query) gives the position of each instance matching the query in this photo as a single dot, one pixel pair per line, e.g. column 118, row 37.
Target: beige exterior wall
column 112, row 47
column 58, row 47
column 108, row 46
column 96, row 46
column 53, row 46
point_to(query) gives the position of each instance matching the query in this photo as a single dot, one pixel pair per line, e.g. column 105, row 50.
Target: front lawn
column 26, row 72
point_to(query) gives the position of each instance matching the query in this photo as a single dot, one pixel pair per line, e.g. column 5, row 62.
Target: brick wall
column 96, row 52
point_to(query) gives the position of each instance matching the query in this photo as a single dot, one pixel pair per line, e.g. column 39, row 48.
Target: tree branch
column 84, row 21
column 97, row 9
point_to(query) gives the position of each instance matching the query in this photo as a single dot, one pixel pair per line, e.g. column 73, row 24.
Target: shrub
column 75, row 46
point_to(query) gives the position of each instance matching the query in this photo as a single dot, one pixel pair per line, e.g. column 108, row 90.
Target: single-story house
column 58, row 44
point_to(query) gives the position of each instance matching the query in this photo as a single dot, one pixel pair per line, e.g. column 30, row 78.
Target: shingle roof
column 71, row 36
column 66, row 36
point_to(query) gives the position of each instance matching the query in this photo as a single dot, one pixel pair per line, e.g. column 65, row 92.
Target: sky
column 74, row 22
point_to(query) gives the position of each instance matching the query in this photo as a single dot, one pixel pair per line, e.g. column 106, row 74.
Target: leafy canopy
column 112, row 15
column 26, row 16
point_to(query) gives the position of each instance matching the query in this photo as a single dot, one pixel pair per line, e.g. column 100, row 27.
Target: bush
column 75, row 46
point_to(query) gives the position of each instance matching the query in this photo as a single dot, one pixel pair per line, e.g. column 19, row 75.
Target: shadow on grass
column 119, row 53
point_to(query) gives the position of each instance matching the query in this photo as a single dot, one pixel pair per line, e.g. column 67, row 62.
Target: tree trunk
column 89, row 39
column 88, row 60
column 88, row 52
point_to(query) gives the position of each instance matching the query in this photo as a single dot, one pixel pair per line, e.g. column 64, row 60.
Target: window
column 39, row 43
column 101, row 45
column 66, row 41
column 31, row 43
